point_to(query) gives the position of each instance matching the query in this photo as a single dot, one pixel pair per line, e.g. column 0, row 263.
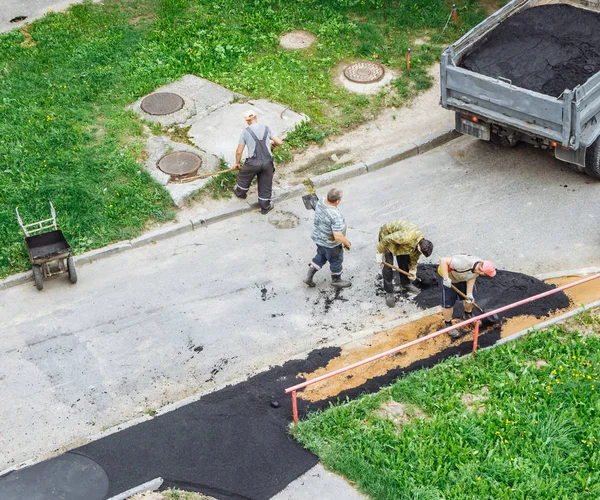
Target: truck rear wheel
column 505, row 141
column 592, row 160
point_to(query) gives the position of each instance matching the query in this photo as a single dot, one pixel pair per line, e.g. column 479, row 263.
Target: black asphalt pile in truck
column 530, row 73
column 546, row 49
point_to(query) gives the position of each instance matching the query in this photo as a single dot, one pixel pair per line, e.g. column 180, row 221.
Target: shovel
column 204, row 176
column 489, row 321
column 402, row 271
column 310, row 201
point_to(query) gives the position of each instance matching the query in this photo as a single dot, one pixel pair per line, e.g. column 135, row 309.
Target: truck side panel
column 587, row 97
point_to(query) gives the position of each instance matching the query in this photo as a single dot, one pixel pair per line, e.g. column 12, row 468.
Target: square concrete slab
column 218, row 132
column 200, row 97
column 157, row 147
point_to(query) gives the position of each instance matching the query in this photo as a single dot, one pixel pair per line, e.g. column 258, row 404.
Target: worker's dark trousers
column 388, row 273
column 263, row 170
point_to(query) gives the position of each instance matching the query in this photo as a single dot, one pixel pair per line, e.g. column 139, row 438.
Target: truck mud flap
column 575, row 157
column 465, row 126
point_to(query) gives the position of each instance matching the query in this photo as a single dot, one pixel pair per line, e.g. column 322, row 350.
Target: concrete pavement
column 159, row 323
column 31, row 9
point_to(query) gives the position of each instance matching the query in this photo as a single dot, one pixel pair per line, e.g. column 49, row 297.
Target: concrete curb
column 422, row 145
column 148, row 486
column 571, row 272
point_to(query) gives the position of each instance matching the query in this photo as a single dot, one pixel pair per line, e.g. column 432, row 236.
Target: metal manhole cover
column 364, row 72
column 179, row 164
column 162, row 103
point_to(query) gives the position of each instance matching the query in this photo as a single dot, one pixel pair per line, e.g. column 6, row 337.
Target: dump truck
column 502, row 81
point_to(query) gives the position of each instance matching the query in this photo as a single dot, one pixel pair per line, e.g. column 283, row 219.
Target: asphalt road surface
column 157, row 324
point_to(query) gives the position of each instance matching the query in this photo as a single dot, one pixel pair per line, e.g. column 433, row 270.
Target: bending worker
column 404, row 240
column 461, row 271
column 260, row 140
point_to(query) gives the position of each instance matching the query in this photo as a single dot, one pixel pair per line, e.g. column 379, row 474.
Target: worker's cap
column 249, row 114
column 488, row 268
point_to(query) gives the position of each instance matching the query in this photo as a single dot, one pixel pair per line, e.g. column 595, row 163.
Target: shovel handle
column 402, row 271
column 465, row 297
column 204, row 176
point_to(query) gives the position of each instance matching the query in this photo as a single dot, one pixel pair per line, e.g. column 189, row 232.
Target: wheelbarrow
column 48, row 250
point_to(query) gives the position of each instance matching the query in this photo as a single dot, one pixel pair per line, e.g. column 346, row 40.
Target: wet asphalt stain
column 328, row 296
column 265, row 293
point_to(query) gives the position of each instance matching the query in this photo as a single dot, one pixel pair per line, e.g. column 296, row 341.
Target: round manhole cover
column 162, row 103
column 179, row 164
column 364, row 72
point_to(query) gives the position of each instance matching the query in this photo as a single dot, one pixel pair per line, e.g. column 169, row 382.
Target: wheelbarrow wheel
column 72, row 270
column 38, row 277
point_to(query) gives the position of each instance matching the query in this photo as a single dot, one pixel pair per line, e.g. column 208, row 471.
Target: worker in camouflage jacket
column 406, row 242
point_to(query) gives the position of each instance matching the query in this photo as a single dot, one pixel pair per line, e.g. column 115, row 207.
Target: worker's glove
column 447, row 282
column 412, row 274
column 470, row 299
column 379, row 258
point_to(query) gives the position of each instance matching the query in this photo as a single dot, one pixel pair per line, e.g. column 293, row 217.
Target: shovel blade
column 310, row 201
column 490, row 320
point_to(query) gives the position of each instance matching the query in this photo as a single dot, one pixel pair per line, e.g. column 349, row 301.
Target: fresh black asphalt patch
column 234, row 443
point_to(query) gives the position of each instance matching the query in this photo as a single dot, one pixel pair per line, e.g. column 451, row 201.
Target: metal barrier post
column 475, row 336
column 294, row 407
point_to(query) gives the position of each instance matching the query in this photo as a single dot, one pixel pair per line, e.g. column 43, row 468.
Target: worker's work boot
column 390, row 300
column 338, row 282
column 309, row 276
column 454, row 333
column 265, row 211
column 468, row 315
column 410, row 288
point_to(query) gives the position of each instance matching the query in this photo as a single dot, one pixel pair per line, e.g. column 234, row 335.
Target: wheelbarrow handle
column 465, row 297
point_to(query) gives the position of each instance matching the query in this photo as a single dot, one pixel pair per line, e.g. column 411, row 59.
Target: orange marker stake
column 408, row 60
column 454, row 15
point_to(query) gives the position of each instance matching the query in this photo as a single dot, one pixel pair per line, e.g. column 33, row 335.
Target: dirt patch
column 324, row 162
column 546, row 49
column 400, row 413
column 474, row 402
column 28, row 42
column 170, row 495
column 298, row 39
column 284, row 220
column 539, row 364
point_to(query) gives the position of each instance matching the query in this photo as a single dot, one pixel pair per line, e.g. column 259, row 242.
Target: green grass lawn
column 519, row 421
column 67, row 78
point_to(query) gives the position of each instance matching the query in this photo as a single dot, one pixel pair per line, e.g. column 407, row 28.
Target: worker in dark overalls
column 259, row 139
